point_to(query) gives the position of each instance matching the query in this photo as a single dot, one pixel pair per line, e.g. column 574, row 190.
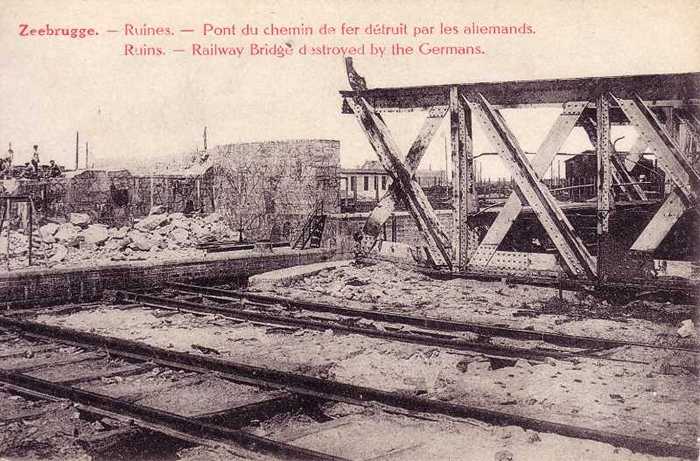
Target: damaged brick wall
column 401, row 227
column 104, row 195
column 268, row 189
column 60, row 285
column 175, row 193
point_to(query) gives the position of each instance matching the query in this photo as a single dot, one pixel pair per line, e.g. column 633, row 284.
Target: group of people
column 32, row 169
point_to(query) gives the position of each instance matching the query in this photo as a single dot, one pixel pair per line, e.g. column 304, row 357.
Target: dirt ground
column 369, row 433
column 624, row 397
column 642, row 392
column 35, row 429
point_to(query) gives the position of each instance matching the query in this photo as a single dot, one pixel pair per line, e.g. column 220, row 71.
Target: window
column 383, row 182
column 353, row 183
column 366, row 183
column 376, row 183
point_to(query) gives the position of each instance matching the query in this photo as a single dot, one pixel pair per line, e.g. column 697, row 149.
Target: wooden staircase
column 312, row 232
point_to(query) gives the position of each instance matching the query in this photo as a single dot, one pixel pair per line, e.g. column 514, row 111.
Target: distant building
column 582, row 170
column 370, row 181
column 367, row 181
column 582, row 167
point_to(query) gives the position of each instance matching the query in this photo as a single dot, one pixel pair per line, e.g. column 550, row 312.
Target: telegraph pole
column 77, row 148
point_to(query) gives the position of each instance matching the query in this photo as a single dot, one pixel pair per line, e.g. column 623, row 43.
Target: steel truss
column 662, row 108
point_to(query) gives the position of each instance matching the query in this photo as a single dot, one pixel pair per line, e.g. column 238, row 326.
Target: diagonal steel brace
column 669, row 156
column 387, row 204
column 438, row 244
column 556, row 137
column 574, row 255
column 674, row 163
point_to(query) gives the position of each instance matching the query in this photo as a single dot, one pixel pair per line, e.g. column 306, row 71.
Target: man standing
column 35, row 159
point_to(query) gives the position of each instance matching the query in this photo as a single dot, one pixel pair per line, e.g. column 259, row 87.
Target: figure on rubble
column 54, row 170
column 35, row 159
column 28, row 171
column 358, row 250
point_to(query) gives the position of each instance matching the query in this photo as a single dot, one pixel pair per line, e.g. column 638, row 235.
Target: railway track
column 431, row 331
column 436, row 338
column 39, row 369
column 191, row 429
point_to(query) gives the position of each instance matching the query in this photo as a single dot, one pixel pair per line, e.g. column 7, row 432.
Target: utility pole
column 447, row 161
column 205, row 138
column 558, row 172
column 77, row 148
column 87, row 150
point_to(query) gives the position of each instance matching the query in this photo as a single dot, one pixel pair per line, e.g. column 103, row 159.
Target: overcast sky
column 144, row 107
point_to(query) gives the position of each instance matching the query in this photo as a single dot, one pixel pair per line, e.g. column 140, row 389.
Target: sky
column 145, row 108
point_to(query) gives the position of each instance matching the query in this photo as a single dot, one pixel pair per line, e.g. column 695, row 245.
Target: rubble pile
column 384, row 285
column 80, row 241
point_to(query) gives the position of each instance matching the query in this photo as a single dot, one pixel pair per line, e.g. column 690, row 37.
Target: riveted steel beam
column 438, row 250
column 464, row 200
column 672, row 89
column 605, row 201
column 661, row 224
column 674, row 163
column 668, row 153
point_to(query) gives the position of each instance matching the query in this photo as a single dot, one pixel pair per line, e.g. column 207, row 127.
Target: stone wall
column 53, row 286
column 112, row 197
column 270, row 188
column 175, row 193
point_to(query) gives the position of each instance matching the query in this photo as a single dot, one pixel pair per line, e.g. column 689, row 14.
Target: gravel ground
column 369, row 433
column 622, row 397
column 387, row 286
column 630, row 390
column 53, row 436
